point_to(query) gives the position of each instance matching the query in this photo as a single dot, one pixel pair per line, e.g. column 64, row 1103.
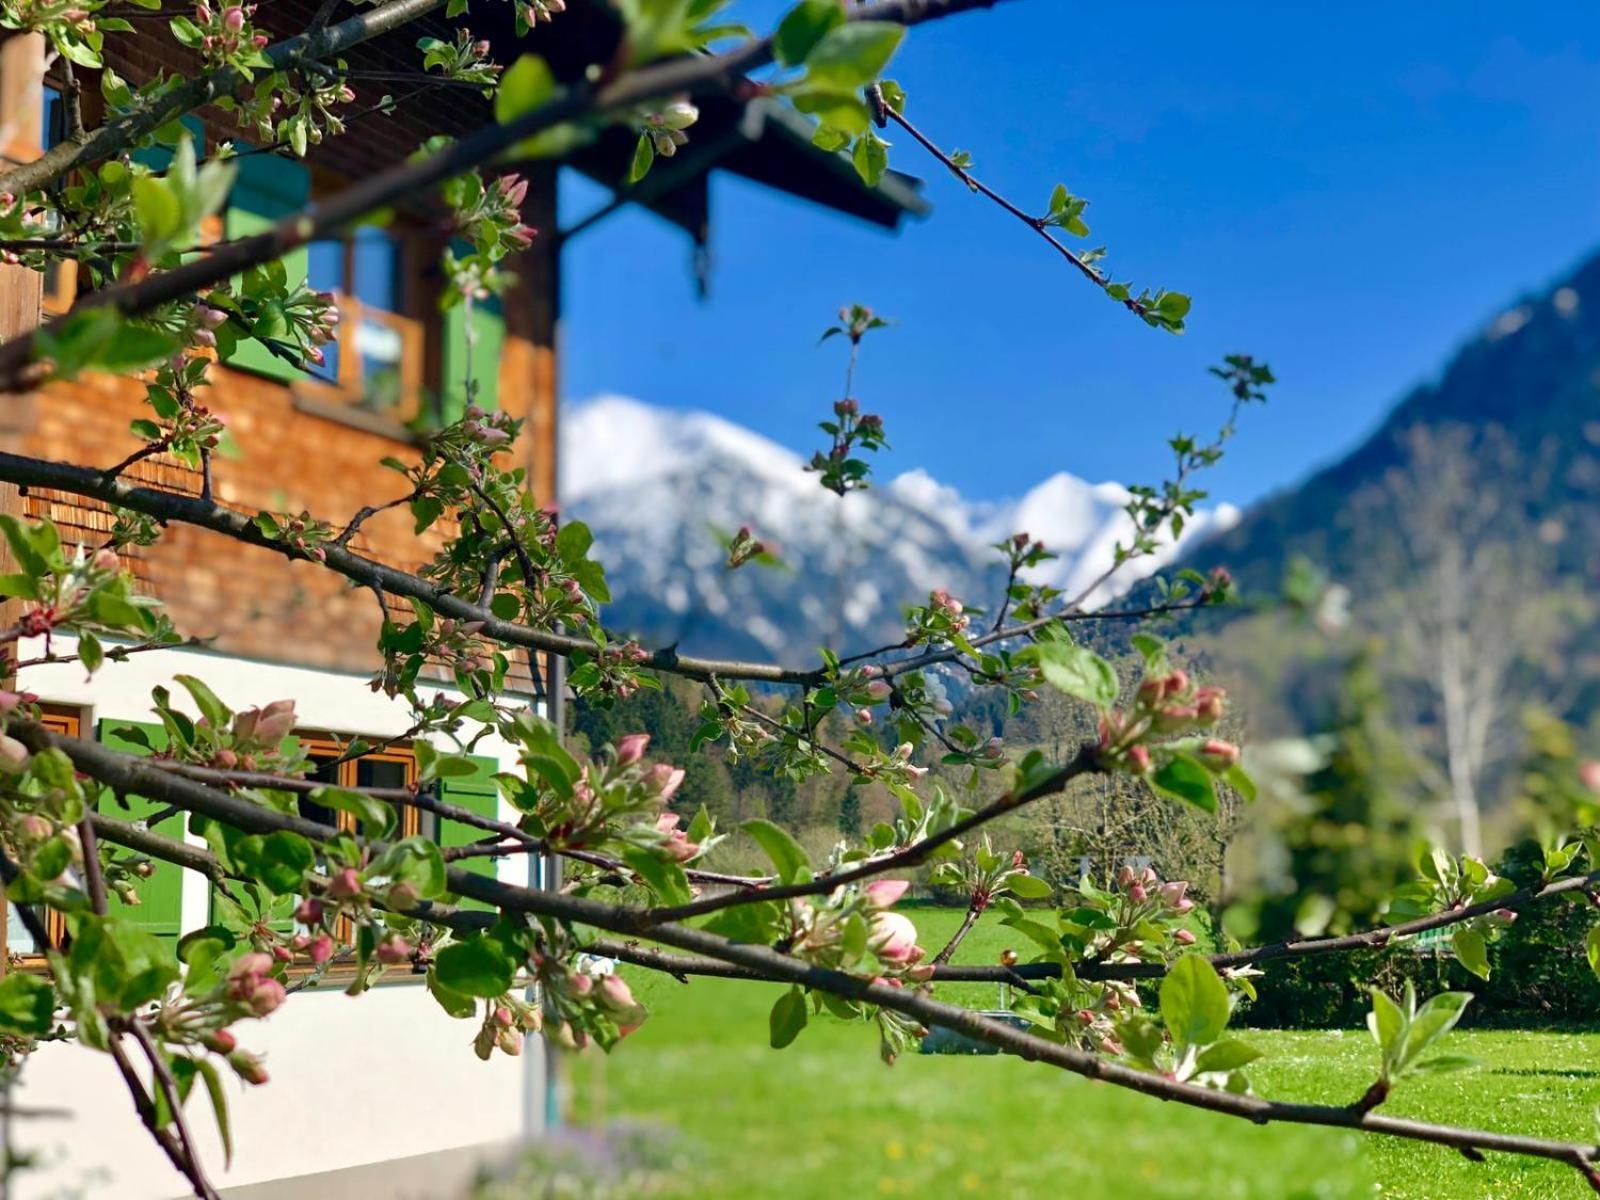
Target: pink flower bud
column 893, row 938
column 863, row 716
column 1139, row 760
column 616, row 994
column 266, row 997
column 664, row 779
column 8, row 701
column 309, row 911
column 582, row 984
column 1125, row 876
column 320, row 949
column 246, row 965
column 886, row 893
column 220, row 1041
column 345, row 885
column 631, row 748
column 1219, row 753
column 1138, row 894
column 233, row 19
column 393, row 950
column 879, row 689
column 1183, row 937
column 13, row 754
column 247, row 1067
column 681, row 848
column 1173, row 892
column 1589, row 775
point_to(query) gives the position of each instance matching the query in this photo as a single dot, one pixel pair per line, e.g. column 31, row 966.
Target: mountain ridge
column 657, row 485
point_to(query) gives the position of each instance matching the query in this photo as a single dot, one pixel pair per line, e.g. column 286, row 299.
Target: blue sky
column 1347, row 191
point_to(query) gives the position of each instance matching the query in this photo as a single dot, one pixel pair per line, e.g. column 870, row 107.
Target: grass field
column 825, row 1119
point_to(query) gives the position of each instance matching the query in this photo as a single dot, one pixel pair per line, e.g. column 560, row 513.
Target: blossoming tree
column 511, row 580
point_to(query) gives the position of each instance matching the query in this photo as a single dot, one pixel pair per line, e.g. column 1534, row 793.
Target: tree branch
column 124, row 131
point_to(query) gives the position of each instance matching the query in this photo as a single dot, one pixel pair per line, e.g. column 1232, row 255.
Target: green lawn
column 825, row 1119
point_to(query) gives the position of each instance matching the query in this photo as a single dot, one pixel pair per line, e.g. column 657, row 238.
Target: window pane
column 372, row 772
column 54, row 112
column 325, row 772
column 377, row 279
column 382, row 350
column 18, row 939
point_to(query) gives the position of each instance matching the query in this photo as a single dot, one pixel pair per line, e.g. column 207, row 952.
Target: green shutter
column 160, row 907
column 489, row 321
column 478, row 793
column 268, row 188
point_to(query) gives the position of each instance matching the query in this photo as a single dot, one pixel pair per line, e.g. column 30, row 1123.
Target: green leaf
column 1591, row 946
column 781, row 848
column 127, row 966
column 1194, row 1002
column 1433, row 1020
column 573, row 541
column 788, row 1018
column 417, row 861
column 1028, row 887
column 526, row 84
column 90, row 652
column 215, row 711
column 1386, row 1022
column 1185, row 778
column 871, row 158
column 478, row 966
column 851, row 56
column 1227, row 1056
column 663, row 876
column 375, row 815
column 1472, row 952
column 27, row 1004
column 644, row 157
column 219, row 1105
column 457, row 1004
column 1079, row 671
column 805, row 25
column 1239, row 780
column 279, row 861
column 157, row 208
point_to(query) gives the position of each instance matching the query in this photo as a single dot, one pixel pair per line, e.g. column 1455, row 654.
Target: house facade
column 380, row 1095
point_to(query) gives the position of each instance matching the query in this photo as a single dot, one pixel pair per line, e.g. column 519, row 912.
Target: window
column 388, row 768
column 20, row 944
column 376, row 363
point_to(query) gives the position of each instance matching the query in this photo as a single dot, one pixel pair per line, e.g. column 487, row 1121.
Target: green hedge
column 1539, row 974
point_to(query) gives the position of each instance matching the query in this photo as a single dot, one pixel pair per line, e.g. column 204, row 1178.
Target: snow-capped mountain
column 657, row 486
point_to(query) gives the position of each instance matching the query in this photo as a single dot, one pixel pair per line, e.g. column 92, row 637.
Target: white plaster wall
column 354, row 1080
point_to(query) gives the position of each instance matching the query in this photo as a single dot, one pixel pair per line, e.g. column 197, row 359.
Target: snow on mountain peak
column 654, row 484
